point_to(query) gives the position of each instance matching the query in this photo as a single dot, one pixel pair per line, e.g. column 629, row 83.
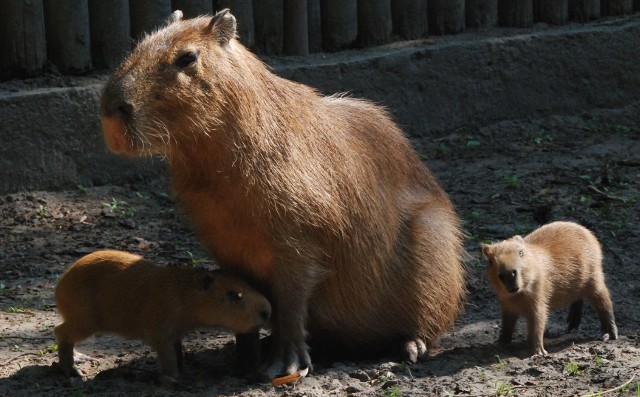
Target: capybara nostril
column 125, row 109
column 265, row 314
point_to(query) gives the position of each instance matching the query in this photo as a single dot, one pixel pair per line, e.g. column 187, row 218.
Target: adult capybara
column 121, row 293
column 321, row 199
column 555, row 265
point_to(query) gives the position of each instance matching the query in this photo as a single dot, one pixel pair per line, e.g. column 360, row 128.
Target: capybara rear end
column 122, row 293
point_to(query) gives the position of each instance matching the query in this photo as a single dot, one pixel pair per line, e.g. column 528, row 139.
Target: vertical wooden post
column 147, row 15
column 268, row 18
column 67, row 31
column 22, row 40
column 110, row 32
column 481, row 13
column 339, row 23
column 374, row 22
column 616, row 7
column 554, row 12
column 296, row 28
column 516, row 13
column 584, row 10
column 315, row 25
column 409, row 18
column 243, row 11
column 193, row 8
column 446, row 16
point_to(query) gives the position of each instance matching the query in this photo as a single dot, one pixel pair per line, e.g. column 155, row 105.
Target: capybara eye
column 234, row 296
column 521, row 253
column 514, row 273
column 186, row 59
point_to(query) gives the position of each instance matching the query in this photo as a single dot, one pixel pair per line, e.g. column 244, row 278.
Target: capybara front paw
column 287, row 361
column 539, row 351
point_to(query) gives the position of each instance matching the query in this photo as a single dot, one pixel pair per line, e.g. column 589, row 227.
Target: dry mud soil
column 505, row 179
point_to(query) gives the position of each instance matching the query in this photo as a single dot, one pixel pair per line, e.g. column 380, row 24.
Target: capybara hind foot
column 414, row 350
column 288, row 360
column 610, row 332
column 68, row 356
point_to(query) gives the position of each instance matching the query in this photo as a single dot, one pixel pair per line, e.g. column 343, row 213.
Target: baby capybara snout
column 233, row 305
column 124, row 294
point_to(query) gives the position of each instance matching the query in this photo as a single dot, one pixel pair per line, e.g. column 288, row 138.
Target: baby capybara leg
column 601, row 300
column 536, row 322
column 507, row 327
column 575, row 315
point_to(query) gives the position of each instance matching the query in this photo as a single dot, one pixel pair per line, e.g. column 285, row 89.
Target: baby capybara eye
column 186, row 59
column 234, row 296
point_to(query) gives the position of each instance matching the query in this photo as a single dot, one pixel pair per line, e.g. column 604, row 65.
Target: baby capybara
column 122, row 293
column 552, row 267
column 321, row 200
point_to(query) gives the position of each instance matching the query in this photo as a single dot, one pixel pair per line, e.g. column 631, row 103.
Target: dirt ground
column 505, row 179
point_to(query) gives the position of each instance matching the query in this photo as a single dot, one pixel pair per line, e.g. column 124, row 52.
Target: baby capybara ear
column 204, row 280
column 174, row 17
column 223, row 26
column 518, row 238
column 487, row 251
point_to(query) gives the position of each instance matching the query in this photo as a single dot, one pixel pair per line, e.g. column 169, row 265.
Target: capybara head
column 163, row 90
column 507, row 264
column 228, row 302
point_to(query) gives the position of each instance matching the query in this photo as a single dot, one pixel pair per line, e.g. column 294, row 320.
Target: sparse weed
column 3, row 288
column 393, row 391
column 513, row 181
column 49, row 349
column 13, row 309
column 572, row 368
column 114, row 204
column 142, row 196
column 585, row 199
column 541, row 136
column 500, row 363
column 482, row 375
column 120, row 206
column 42, row 212
column 503, row 389
column 81, row 190
column 194, row 261
column 598, row 360
column 472, row 143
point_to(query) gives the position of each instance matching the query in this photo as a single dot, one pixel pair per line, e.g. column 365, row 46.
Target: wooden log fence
column 76, row 36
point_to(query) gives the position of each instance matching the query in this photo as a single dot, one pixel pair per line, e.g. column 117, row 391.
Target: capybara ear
column 518, row 238
column 487, row 251
column 174, row 17
column 223, row 25
column 204, row 280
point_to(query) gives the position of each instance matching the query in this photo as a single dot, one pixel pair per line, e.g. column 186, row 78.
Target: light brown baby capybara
column 122, row 293
column 552, row 267
column 321, row 200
